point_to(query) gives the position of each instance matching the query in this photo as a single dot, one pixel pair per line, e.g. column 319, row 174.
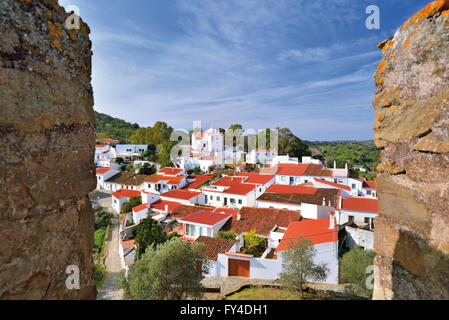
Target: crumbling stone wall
column 47, row 138
column 412, row 128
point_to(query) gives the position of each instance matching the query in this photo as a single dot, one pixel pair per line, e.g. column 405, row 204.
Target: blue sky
column 303, row 64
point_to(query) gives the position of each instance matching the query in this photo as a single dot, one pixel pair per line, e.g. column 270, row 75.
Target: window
column 369, row 221
column 232, row 201
column 218, row 198
column 205, row 198
column 283, row 178
column 353, row 186
column 298, row 178
column 350, row 218
column 306, row 180
column 240, row 201
column 368, row 192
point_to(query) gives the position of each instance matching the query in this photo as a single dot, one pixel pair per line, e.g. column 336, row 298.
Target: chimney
column 332, row 220
column 335, row 164
column 239, row 216
column 330, row 204
column 324, row 202
column 166, row 208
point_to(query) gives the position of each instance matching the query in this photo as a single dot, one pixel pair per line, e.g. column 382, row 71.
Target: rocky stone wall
column 412, row 128
column 47, row 138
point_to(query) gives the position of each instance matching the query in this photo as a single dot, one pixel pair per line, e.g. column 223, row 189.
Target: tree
column 226, row 235
column 133, row 202
column 255, row 244
column 147, row 169
column 236, row 126
column 298, row 266
column 119, row 160
column 169, row 271
column 291, row 144
column 164, row 158
column 197, row 170
column 354, row 265
column 148, row 232
column 102, row 218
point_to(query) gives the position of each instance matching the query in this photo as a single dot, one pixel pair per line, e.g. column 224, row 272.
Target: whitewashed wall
column 359, row 237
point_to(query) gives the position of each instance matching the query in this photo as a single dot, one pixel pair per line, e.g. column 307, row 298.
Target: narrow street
column 109, row 290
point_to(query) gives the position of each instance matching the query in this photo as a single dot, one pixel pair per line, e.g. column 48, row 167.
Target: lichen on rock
column 47, row 134
column 412, row 128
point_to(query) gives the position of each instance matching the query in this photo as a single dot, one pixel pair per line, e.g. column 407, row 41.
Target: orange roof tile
column 369, row 184
column 303, row 169
column 199, row 180
column 127, row 244
column 160, row 205
column 261, row 219
column 102, row 170
column 206, row 217
column 256, row 178
column 181, row 194
column 170, row 180
column 214, row 246
column 360, row 204
column 239, row 255
column 126, row 193
column 170, row 171
column 315, row 230
column 140, row 207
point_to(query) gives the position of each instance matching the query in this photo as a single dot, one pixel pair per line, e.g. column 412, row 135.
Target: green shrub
column 354, row 266
column 99, row 237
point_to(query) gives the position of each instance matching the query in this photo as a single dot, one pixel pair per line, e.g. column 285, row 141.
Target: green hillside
column 354, row 152
column 114, row 128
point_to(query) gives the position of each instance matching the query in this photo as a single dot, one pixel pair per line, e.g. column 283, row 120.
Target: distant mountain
column 114, row 128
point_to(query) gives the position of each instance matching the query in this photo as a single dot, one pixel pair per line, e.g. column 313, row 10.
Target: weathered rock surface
column 412, row 128
column 47, row 138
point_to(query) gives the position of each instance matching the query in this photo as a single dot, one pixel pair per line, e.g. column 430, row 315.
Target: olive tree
column 169, row 271
column 298, row 266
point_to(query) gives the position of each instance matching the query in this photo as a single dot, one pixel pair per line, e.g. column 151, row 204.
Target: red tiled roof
column 264, row 150
column 140, row 207
column 315, row 230
column 333, row 184
column 360, row 204
column 181, row 194
column 100, row 146
column 261, row 219
column 102, row 170
column 214, row 246
column 127, row 244
column 282, row 188
column 109, row 140
column 199, row 180
column 170, row 180
column 303, row 169
column 297, row 198
column 239, row 255
column 126, row 193
column 170, row 171
column 160, row 205
column 369, row 184
column 206, row 217
column 236, row 186
column 185, row 210
column 256, row 178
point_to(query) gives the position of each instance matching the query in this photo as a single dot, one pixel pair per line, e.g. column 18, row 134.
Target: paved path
column 109, row 290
